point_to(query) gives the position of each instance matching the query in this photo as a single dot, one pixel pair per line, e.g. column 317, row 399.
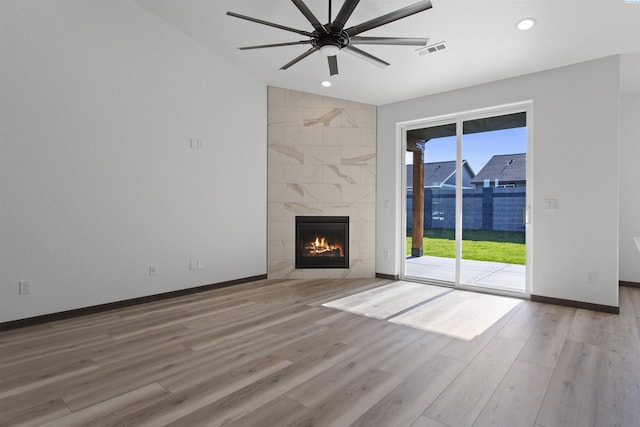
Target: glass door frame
column 459, row 119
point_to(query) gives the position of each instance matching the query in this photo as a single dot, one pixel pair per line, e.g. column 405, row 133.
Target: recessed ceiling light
column 326, row 83
column 526, row 24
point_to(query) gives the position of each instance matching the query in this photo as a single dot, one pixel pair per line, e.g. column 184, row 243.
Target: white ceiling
column 483, row 42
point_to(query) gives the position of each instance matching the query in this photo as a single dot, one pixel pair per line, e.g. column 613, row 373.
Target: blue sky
column 477, row 148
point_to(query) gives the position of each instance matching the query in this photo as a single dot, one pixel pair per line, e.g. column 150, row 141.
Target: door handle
column 526, row 216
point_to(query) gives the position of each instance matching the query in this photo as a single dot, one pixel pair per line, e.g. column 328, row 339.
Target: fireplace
column 322, row 242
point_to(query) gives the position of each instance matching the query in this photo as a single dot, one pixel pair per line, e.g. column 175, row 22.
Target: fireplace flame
column 321, row 246
column 321, row 243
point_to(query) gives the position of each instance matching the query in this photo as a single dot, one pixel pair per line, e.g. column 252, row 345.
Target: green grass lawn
column 496, row 246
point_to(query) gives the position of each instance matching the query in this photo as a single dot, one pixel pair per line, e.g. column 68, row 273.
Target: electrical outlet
column 153, row 270
column 592, row 277
column 24, row 287
column 386, row 255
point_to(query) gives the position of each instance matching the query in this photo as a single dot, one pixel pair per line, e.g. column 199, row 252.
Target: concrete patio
column 492, row 275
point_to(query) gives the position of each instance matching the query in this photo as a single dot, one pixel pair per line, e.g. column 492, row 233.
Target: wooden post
column 417, row 223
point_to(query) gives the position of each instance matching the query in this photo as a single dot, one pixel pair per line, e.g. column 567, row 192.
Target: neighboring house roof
column 506, row 168
column 437, row 173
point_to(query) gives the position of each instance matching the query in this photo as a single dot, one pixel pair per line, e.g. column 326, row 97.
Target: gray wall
column 574, row 128
column 629, row 187
column 98, row 102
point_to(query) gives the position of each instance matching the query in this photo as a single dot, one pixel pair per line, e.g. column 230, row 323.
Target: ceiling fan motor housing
column 338, row 40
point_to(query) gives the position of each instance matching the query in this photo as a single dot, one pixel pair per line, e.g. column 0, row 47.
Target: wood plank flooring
column 386, row 301
column 269, row 353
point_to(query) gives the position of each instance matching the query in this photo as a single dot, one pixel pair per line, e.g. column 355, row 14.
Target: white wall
column 575, row 158
column 98, row 101
column 629, row 187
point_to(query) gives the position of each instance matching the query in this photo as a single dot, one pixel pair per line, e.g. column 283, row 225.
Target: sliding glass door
column 431, row 203
column 466, row 201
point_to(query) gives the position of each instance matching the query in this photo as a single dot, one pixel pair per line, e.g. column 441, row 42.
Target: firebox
column 322, row 242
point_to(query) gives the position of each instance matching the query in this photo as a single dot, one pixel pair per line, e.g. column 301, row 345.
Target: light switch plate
column 24, row 287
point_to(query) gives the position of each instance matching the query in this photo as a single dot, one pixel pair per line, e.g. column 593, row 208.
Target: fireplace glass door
column 322, row 242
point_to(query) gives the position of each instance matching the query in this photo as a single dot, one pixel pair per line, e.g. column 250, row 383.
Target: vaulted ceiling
column 482, row 42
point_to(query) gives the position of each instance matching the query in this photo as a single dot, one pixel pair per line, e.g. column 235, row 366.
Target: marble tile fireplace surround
column 321, row 162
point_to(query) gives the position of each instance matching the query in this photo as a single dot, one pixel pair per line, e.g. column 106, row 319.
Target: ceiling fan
column 332, row 37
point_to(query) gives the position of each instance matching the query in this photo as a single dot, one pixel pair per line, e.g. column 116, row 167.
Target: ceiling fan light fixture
column 526, row 24
column 329, row 49
column 326, row 83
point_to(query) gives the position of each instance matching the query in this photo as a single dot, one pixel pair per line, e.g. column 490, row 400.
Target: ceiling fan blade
column 389, row 17
column 343, row 16
column 299, row 58
column 364, row 55
column 396, row 41
column 270, row 24
column 275, row 45
column 309, row 15
column 333, row 65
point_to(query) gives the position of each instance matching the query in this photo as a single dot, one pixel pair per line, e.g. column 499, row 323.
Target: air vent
column 434, row 48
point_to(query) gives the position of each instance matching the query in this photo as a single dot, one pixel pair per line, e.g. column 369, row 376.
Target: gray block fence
column 498, row 209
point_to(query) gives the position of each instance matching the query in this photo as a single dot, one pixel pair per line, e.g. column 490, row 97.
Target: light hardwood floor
column 269, row 354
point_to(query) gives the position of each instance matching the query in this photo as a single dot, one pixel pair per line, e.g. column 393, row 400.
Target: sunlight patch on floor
column 385, row 301
column 458, row 314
